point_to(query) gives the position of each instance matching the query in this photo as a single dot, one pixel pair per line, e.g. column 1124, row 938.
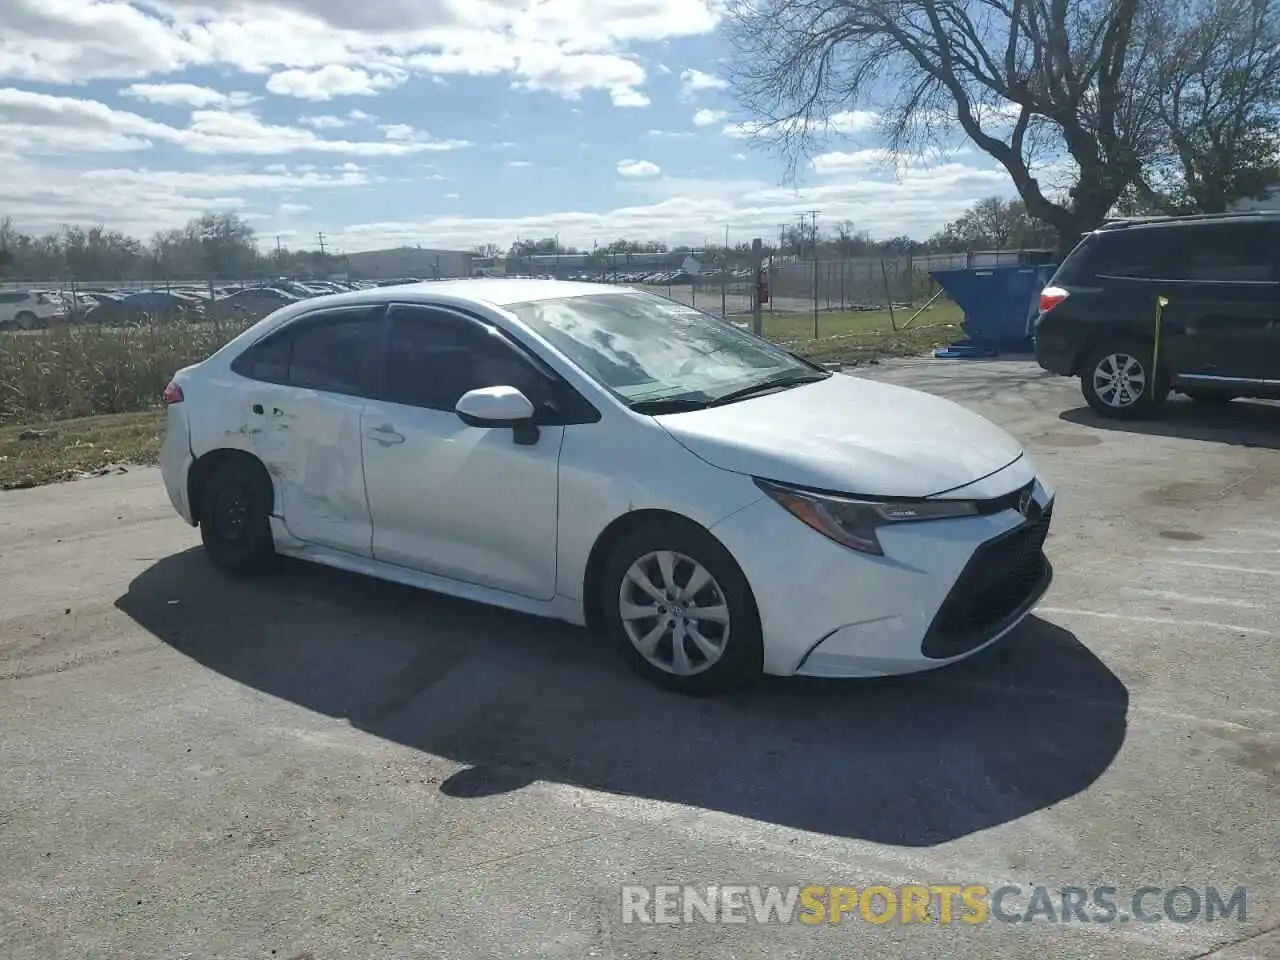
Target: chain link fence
column 826, row 292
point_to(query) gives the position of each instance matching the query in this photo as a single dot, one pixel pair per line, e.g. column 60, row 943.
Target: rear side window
column 331, row 352
column 1231, row 252
column 1131, row 252
column 266, row 360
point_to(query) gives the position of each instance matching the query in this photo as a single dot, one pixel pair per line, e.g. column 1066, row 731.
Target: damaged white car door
column 304, row 409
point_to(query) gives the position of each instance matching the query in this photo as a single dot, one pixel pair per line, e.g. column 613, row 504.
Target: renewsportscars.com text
column 943, row 904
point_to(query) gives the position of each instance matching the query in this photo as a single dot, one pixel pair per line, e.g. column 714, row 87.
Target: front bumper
column 829, row 611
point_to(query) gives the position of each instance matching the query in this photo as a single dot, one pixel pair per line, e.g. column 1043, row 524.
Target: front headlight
column 854, row 521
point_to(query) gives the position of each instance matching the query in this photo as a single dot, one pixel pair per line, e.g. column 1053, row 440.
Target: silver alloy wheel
column 674, row 612
column 1119, row 380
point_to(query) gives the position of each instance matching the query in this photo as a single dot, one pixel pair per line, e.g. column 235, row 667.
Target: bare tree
column 1219, row 86
column 1027, row 82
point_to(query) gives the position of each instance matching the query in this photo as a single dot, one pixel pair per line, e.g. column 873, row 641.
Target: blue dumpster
column 999, row 304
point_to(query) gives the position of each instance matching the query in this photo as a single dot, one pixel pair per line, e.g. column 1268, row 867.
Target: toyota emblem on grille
column 1024, row 503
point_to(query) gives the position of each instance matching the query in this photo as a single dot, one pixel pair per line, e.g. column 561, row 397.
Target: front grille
column 1008, row 501
column 1000, row 579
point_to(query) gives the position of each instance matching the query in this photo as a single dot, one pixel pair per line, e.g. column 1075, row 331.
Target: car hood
column 849, row 434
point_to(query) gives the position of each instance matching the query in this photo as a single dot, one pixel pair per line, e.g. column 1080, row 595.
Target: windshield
column 646, row 348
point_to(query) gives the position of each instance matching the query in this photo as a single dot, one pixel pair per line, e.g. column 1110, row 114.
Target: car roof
column 490, row 291
column 494, row 291
column 1242, row 216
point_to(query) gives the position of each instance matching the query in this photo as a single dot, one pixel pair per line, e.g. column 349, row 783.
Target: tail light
column 1050, row 297
column 172, row 394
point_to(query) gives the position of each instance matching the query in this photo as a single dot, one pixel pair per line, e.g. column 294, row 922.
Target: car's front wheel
column 1118, row 381
column 680, row 609
column 235, row 512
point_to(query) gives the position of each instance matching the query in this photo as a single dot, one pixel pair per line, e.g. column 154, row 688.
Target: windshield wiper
column 766, row 386
column 654, row 408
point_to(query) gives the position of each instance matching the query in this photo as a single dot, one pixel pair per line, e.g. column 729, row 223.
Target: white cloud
column 844, row 122
column 881, row 161
column 323, row 122
column 140, row 201
column 217, row 150
column 519, row 164
column 638, row 168
column 705, row 118
column 319, row 48
column 685, row 211
column 185, row 95
column 332, row 81
column 42, row 123
column 856, row 161
column 627, row 97
column 693, row 82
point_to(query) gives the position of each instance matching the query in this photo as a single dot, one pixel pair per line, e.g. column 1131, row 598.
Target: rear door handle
column 385, row 435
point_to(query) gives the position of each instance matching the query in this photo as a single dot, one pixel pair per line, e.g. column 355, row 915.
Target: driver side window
column 434, row 357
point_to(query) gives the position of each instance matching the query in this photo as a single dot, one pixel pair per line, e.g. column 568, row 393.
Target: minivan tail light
column 1050, row 297
column 172, row 394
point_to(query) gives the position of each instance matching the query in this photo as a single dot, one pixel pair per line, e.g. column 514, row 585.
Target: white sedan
column 714, row 505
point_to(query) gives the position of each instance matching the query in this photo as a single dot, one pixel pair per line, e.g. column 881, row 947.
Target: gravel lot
column 330, row 767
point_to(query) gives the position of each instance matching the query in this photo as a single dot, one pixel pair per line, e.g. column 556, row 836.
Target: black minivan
column 1146, row 306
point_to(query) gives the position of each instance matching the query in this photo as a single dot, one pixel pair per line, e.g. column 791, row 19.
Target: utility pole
column 320, row 237
column 814, row 214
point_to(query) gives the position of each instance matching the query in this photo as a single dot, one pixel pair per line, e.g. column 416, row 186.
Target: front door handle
column 385, row 435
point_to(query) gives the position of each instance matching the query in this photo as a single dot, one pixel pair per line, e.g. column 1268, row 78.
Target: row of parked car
column 104, row 306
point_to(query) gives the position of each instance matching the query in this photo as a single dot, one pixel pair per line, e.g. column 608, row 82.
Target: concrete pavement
column 320, row 765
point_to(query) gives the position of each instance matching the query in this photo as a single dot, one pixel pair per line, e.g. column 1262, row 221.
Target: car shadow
column 913, row 761
column 1241, row 423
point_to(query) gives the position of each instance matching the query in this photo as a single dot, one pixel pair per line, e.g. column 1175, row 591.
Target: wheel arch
column 612, row 535
column 209, row 463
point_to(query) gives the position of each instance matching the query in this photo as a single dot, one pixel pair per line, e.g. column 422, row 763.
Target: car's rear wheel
column 27, row 320
column 680, row 609
column 235, row 511
column 1118, row 381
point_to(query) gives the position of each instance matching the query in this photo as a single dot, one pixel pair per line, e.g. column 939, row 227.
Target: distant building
column 408, row 262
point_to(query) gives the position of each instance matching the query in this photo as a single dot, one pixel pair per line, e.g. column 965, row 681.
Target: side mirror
column 499, row 407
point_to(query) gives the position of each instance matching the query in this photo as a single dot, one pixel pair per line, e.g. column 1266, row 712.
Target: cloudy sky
column 445, row 123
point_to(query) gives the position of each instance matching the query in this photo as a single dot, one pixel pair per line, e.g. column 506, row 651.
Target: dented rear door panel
column 310, row 443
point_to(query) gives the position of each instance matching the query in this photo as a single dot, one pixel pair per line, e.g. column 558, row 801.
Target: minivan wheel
column 235, row 525
column 1117, row 381
column 680, row 610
